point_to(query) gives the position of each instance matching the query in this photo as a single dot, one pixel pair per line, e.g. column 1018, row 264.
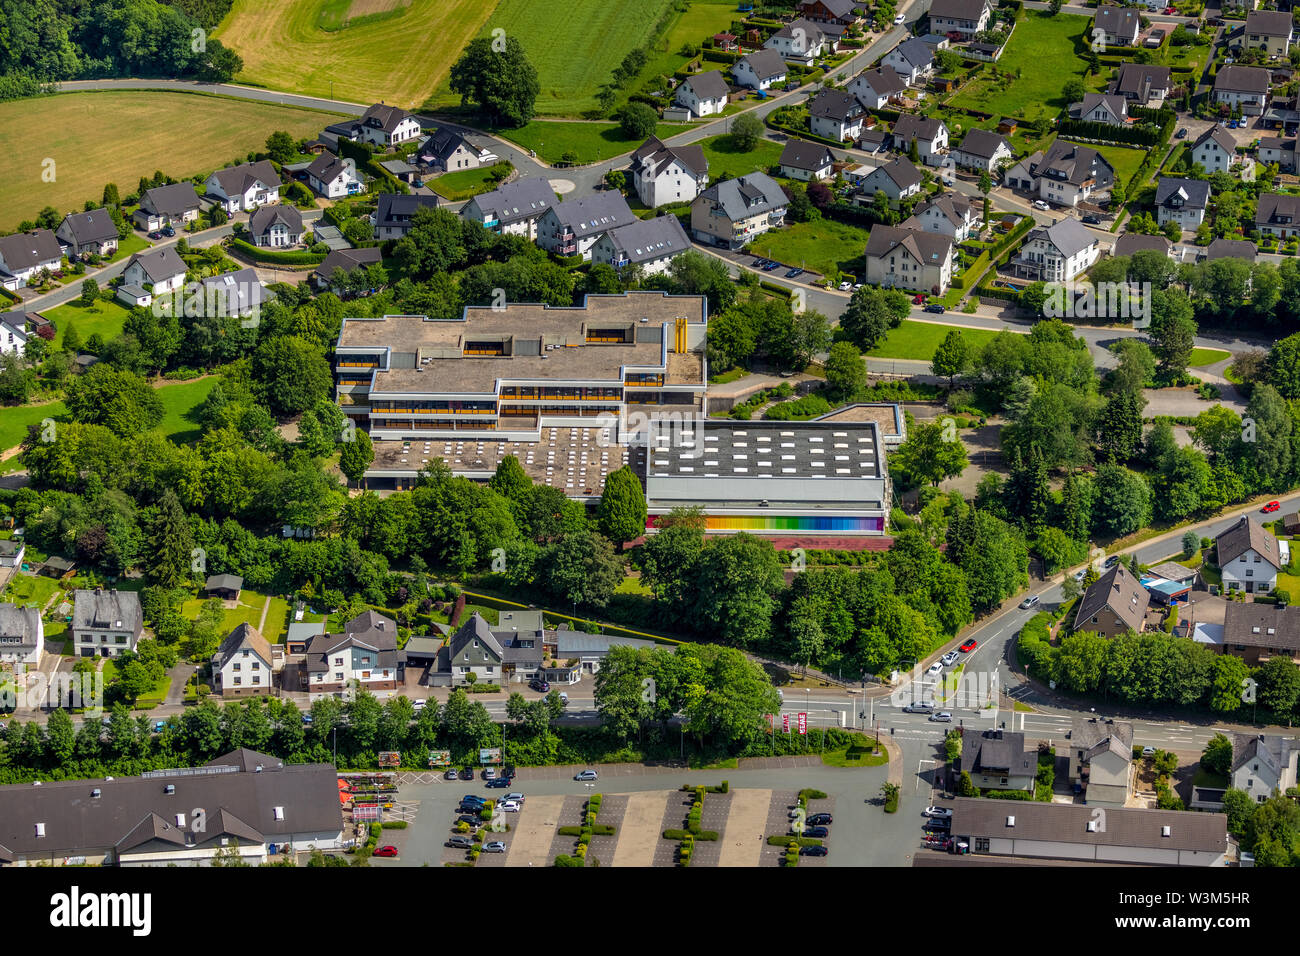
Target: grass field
column 466, row 183
column 727, row 162
column 28, row 591
column 179, row 401
column 1126, row 161
column 182, row 134
column 104, row 319
column 824, row 246
column 1203, row 357
column 590, row 142
column 14, row 423
column 249, row 610
column 701, row 20
column 918, row 340
column 1043, row 50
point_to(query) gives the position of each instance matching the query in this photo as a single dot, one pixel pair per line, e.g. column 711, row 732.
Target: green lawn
column 701, row 20
column 1126, row 161
column 248, row 611
column 822, row 245
column 918, row 340
column 277, row 620
column 589, row 142
column 179, row 401
column 466, row 183
column 128, row 247
column 1044, row 51
column 1202, row 357
column 14, row 423
column 102, row 318
column 30, row 591
column 728, row 162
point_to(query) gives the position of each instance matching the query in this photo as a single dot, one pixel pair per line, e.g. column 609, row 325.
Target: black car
column 936, row 309
column 771, row 266
column 467, row 773
column 760, row 263
column 814, row 851
column 508, row 772
column 499, row 783
column 819, row 819
column 540, row 686
column 937, row 824
column 168, row 231
column 1092, row 220
column 473, row 821
column 1182, row 133
column 820, row 832
column 794, row 272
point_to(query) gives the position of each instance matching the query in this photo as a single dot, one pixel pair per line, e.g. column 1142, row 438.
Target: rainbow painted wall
column 805, row 524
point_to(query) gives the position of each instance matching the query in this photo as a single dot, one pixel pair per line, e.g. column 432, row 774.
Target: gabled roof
column 522, row 199
column 652, row 155
column 927, row 248
column 1242, row 79
column 903, row 172
column 174, row 200
column 1231, row 249
column 594, row 214
column 984, row 143
column 649, row 239
column 398, row 208
column 1246, row 535
column 1131, row 242
column 1269, row 23
column 765, row 63
column 746, row 196
column 1122, row 21
column 996, row 750
column 1262, row 625
column 1115, row 104
column 910, row 126
column 884, row 80
column 384, row 117
column 1219, row 136
column 264, row 217
column 93, row 226
column 799, row 154
column 1075, row 164
column 244, row 637
column 223, row 582
column 347, row 260
column 953, row 207
column 812, row 33
column 116, row 610
column 476, row 629
column 1118, row 590
column 844, row 9
column 444, row 143
column 23, row 250
column 327, row 167
column 835, row 105
column 915, row 52
column 20, row 622
column 1194, row 193
column 239, row 292
column 236, row 180
column 710, row 85
column 958, row 9
column 159, row 264
column 1277, row 207
column 1089, row 733
column 1273, row 750
column 1141, row 78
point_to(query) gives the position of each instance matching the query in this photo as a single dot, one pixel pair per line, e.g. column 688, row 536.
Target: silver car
column 585, row 775
column 943, row 717
column 949, row 659
column 496, row 846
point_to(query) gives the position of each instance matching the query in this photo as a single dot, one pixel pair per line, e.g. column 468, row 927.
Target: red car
column 968, row 646
column 385, row 851
column 1170, row 11
column 1271, row 507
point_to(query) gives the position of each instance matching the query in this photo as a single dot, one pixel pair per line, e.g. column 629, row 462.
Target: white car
column 564, row 698
column 949, row 659
column 1148, row 751
column 510, row 806
column 1039, row 204
column 846, row 286
column 938, row 812
column 935, row 669
column 900, row 19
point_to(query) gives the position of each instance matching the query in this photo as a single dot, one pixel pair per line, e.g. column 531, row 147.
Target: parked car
column 459, row 842
column 949, row 659
column 1182, row 133
column 540, row 686
column 919, row 707
column 1039, row 204
column 846, row 286
column 937, row 825
column 938, row 812
column 473, row 798
column 471, row 809
column 820, row 819
column 508, row 771
column 814, row 851
column 820, row 833
column 1271, row 507
column 500, row 783
column 510, row 806
column 451, row 775
column 1170, row 11
column 968, row 645
column 385, row 851
column 585, row 775
column 155, row 234
column 1111, row 561
column 472, row 822
column 900, row 19
column 943, row 717
column 1091, row 220
column 794, row 272
column 168, row 231
column 159, row 726
column 467, row 773
column 517, row 797
column 1148, row 751
column 760, row 262
column 935, row 308
column 489, row 773
column 496, row 846
column 771, row 266
column 935, row 669
column 419, row 705
column 1029, row 602
column 306, row 718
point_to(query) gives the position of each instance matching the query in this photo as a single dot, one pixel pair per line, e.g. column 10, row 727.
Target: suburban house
column 447, row 151
column 801, row 159
column 167, row 205
column 25, row 254
column 666, row 174
column 1071, row 831
column 1066, row 175
column 898, row 180
column 106, row 623
column 1057, row 253
column 901, row 258
column 760, row 70
column 800, row 40
column 1231, row 249
column 949, row 214
column 383, row 125
column 1243, row 86
column 1274, row 149
column 13, row 341
column 843, row 13
column 1278, row 215
column 346, row 259
column 512, row 209
column 156, row 272
column 238, row 293
column 88, row 233
column 242, row 665
column 999, row 760
column 875, row 88
column 1269, row 30
column 363, row 657
column 1107, row 108
column 1169, row 582
column 704, row 93
column 244, row 187
column 834, row 114
column 929, row 134
column 1264, row 764
column 250, row 803
column 394, row 213
column 873, row 142
column 334, row 178
column 1116, row 602
column 982, row 149
column 1143, row 84
column 735, row 212
column 1247, row 554
column 11, row 552
column 1253, row 632
column 967, row 17
column 571, row 228
column 649, row 244
column 913, row 60
column 1101, row 760
column 1214, row 150
column 1182, row 201
column 1117, row 26
column 276, row 226
column 22, row 635
column 474, row 649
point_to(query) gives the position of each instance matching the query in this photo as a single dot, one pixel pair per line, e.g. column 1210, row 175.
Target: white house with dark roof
column 1143, row 83
column 1118, row 26
column 735, row 212
column 333, row 177
column 448, row 150
column 648, row 244
column 800, row 40
column 806, row 161
column 156, row 272
column 348, row 260
column 982, row 149
column 959, row 16
column 167, row 205
column 1107, row 108
column 572, row 227
column 13, row 341
column 364, row 656
column 929, row 134
column 1101, row 760
column 1248, row 557
column 1246, row 87
column 245, row 187
column 394, row 213
column 238, row 293
column 105, row 623
column 898, row 180
column 1275, row 149
column 383, row 125
column 24, row 254
column 1182, row 201
column 276, row 226
column 1214, row 150
column 1057, row 253
column 1269, row 30
column 834, row 114
column 512, row 209
column 1066, row 175
column 667, row 174
column 875, row 88
column 88, row 233
column 949, row 214
column 242, row 665
column 899, row 258
column 704, row 94
column 1278, row 214
column 913, row 60
column 760, row 70
column 1264, row 764
column 22, row 635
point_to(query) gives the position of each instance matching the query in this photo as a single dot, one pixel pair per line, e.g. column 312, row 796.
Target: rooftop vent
column 40, row 830
column 1166, row 831
column 1011, row 821
column 169, row 789
column 96, row 794
column 1092, row 826
column 278, row 813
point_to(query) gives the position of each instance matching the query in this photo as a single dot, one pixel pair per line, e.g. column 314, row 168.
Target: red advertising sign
column 785, row 722
column 803, row 722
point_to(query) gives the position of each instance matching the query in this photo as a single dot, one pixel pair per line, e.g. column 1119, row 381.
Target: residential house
column 1259, row 632
column 1107, row 108
column 807, row 161
column 929, row 134
column 1116, row 602
column 512, row 209
column 1275, row 149
column 903, row 258
column 334, row 178
column 1241, row 6
column 1066, row 175
column 1070, row 831
column 1057, row 253
column 1243, row 86
column 1117, row 26
column 1169, row 582
column 382, row 125
column 25, row 254
column 913, row 60
column 898, row 180
column 1231, row 249
column 966, row 17
column 1143, row 84
column 475, row 649
column 363, row 657
column 842, row 13
column 22, row 635
column 244, row 187
column 276, row 227
column 11, row 552
column 395, row 212
column 999, row 760
column 735, row 212
column 834, row 114
column 950, row 214
column 875, row 88
column 167, row 206
column 668, row 174
column 347, row 260
column 589, row 650
column 449, row 151
column 88, row 233
column 156, row 272
column 873, row 142
column 1182, row 201
column 1278, row 215
column 105, row 623
column 760, row 70
column 1269, row 30
column 1264, row 764
column 649, row 244
column 984, row 150
column 1248, row 555
column 571, row 228
column 13, row 339
column 1101, row 760
column 1214, row 150
column 704, row 94
column 242, row 665
column 239, row 293
column 800, row 40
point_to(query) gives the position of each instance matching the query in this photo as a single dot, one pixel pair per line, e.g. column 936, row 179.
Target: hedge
column 775, row 290
column 1105, row 133
column 1007, row 794
column 810, row 794
column 804, row 134
column 708, row 836
column 274, row 257
column 787, row 840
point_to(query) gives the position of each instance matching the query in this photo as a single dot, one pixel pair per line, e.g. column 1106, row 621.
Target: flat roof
column 816, row 450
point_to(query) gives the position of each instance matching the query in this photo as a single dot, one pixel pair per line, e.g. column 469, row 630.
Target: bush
column 395, row 825
column 810, row 794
